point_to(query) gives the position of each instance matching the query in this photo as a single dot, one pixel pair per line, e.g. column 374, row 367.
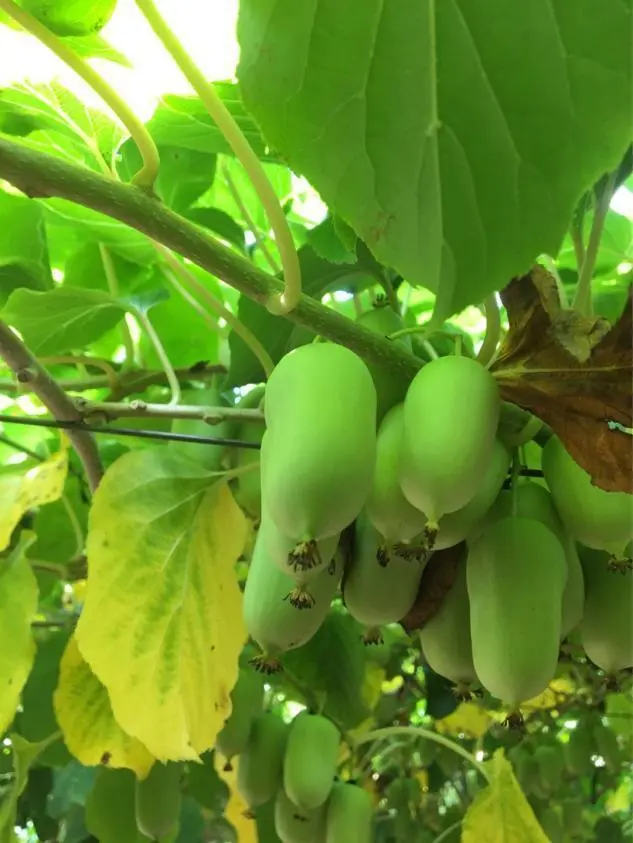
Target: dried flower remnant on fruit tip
column 304, row 556
column 266, row 664
column 300, row 599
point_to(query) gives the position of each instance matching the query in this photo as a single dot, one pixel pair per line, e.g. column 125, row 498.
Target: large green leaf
column 23, row 247
column 185, row 346
column 95, row 46
column 71, row 17
column 62, row 319
column 318, row 276
column 52, row 107
column 96, row 227
column 84, row 268
column 184, row 174
column 331, row 667
column 184, row 121
column 454, row 137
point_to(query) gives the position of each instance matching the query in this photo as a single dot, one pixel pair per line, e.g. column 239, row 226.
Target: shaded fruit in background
column 463, row 523
column 311, row 759
column 387, row 508
column 533, row 501
column 390, row 386
column 206, row 456
column 158, row 800
column 606, row 630
column 298, row 825
column 247, row 698
column 349, row 815
column 375, row 593
column 260, row 770
column 445, row 638
column 248, row 486
column 516, row 573
column 598, row 519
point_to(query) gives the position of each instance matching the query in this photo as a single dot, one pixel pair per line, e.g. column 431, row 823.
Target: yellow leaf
column 557, row 692
column 371, row 691
column 85, row 717
column 18, row 607
column 469, row 719
column 162, row 623
column 236, row 808
column 500, row 813
column 423, row 778
column 20, row 492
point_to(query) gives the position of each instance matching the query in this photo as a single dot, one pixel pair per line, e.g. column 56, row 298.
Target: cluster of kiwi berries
column 363, row 478
column 538, row 557
column 292, row 766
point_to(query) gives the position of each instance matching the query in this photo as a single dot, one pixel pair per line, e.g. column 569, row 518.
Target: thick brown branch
column 40, row 175
column 29, row 371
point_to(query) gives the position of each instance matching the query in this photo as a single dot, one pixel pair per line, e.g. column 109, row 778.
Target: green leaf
column 62, row 319
column 24, row 756
column 184, row 175
column 272, row 331
column 192, row 826
column 23, row 248
column 327, row 244
column 233, row 191
column 96, row 227
column 616, row 245
column 220, row 223
column 110, row 808
column 71, row 17
column 60, row 145
column 95, row 46
column 84, row 268
column 318, row 276
column 184, row 347
column 337, row 679
column 184, row 121
column 71, row 786
column 500, row 812
column 457, row 164
column 162, row 610
column 50, row 106
column 205, row 785
column 37, row 721
column 18, row 605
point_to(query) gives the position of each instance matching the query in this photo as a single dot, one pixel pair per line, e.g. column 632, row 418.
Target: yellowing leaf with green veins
column 44, row 483
column 500, row 813
column 84, row 713
column 18, row 606
column 162, row 620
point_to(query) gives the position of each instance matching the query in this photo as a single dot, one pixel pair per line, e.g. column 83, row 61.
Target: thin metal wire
column 128, row 431
column 169, row 436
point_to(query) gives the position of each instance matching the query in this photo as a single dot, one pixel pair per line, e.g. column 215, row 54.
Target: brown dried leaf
column 540, row 368
column 437, row 580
